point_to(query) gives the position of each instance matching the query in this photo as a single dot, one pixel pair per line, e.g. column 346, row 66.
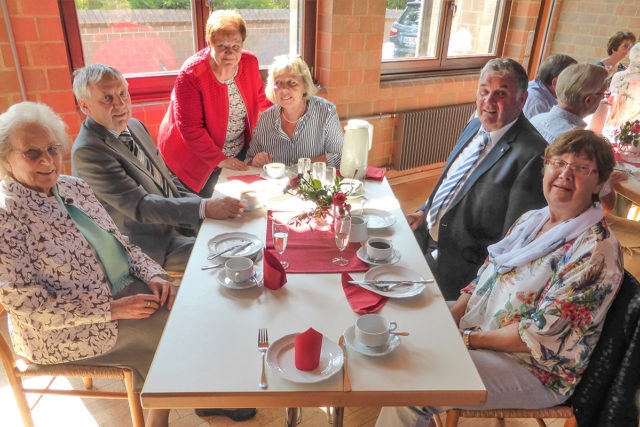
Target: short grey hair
column 93, row 73
column 297, row 67
column 506, row 66
column 578, row 81
column 25, row 113
column 634, row 55
column 551, row 68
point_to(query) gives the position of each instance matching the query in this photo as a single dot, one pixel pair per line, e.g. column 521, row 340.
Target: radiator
column 428, row 136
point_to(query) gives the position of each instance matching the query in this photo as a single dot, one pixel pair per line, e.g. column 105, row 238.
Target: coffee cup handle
column 264, row 168
column 393, row 326
column 236, row 275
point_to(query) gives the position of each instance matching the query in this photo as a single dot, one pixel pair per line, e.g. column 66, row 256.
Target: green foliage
column 396, row 4
column 102, row 4
column 160, row 4
column 250, row 4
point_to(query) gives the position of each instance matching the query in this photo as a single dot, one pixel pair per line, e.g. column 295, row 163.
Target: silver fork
column 263, row 345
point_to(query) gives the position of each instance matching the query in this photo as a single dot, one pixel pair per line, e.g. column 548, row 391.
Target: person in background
column 618, row 48
column 299, row 124
column 625, row 88
column 580, row 89
column 489, row 180
column 115, row 154
column 76, row 291
column 542, row 90
column 534, row 313
column 214, row 106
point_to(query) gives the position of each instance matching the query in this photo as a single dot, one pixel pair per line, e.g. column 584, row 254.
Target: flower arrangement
column 628, row 134
column 326, row 197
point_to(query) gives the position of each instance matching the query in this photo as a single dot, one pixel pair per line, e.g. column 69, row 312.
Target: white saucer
column 362, row 254
column 228, row 283
column 265, row 176
column 354, row 187
column 383, row 350
column 281, row 359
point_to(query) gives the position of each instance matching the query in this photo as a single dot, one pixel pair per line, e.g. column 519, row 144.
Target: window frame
column 154, row 87
column 441, row 64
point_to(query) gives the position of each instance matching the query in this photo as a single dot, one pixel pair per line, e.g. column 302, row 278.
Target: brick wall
column 583, row 27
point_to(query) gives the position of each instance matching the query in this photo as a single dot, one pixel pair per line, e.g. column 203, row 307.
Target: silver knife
column 233, row 249
column 388, row 282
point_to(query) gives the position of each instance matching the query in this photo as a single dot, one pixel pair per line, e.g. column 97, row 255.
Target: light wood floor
column 72, row 412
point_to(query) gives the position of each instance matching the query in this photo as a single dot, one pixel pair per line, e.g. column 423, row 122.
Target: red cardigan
column 193, row 130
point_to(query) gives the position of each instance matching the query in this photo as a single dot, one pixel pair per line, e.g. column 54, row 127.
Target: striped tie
column 447, row 189
column 126, row 138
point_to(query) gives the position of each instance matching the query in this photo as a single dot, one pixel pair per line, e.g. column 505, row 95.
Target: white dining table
column 208, row 355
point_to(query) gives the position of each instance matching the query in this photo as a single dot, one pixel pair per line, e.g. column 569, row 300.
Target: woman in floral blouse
column 534, row 313
column 74, row 288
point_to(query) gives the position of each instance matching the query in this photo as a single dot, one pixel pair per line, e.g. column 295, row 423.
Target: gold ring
column 147, row 304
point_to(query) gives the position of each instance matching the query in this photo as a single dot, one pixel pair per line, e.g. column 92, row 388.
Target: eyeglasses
column 34, row 154
column 577, row 170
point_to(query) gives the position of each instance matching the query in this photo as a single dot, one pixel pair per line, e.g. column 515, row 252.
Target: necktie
column 447, row 189
column 126, row 138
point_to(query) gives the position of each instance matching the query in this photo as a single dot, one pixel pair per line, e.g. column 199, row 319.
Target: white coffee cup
column 359, row 231
column 275, row 170
column 373, row 330
column 250, row 198
column 379, row 249
column 239, row 269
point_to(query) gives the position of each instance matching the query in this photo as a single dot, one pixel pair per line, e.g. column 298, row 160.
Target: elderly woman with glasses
column 299, row 124
column 74, row 288
column 533, row 315
column 214, row 106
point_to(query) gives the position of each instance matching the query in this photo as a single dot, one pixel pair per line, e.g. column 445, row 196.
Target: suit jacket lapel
column 501, row 147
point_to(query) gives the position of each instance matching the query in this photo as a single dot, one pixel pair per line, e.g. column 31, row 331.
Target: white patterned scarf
column 521, row 246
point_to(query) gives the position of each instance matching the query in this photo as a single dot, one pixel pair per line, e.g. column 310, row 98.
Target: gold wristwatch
column 466, row 338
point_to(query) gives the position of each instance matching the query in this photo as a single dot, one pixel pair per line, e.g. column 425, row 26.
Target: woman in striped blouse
column 299, row 124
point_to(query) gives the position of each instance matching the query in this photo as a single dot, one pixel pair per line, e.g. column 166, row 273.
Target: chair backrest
column 606, row 394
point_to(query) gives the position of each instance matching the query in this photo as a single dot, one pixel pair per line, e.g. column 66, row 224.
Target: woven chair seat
column 555, row 412
column 68, row 370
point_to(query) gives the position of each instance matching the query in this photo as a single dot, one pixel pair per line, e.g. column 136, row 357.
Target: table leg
column 293, row 416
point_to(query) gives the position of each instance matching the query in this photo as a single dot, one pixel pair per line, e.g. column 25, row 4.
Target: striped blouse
column 318, row 132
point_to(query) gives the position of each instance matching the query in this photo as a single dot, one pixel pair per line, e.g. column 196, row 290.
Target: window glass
column 472, row 29
column 157, row 36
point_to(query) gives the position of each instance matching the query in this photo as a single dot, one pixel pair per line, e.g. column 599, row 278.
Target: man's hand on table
column 415, row 219
column 233, row 163
column 227, row 207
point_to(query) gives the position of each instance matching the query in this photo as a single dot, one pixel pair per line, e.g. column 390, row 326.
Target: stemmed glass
column 280, row 234
column 342, row 229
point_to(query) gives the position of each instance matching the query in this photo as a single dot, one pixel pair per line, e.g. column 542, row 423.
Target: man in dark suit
column 116, row 155
column 492, row 176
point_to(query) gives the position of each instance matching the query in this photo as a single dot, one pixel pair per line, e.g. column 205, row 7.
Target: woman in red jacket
column 214, row 106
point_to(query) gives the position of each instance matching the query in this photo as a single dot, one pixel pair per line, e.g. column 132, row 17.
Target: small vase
column 322, row 220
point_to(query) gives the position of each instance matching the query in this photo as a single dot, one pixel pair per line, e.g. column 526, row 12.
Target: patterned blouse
column 560, row 302
column 51, row 281
column 234, row 140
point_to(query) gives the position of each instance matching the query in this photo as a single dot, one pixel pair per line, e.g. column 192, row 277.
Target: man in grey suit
column 492, row 176
column 116, row 155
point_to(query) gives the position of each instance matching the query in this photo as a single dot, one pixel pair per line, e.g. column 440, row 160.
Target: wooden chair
column 15, row 372
column 585, row 393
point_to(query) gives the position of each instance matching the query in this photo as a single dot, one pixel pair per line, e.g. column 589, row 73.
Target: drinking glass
column 304, row 165
column 342, row 229
column 330, row 175
column 318, row 170
column 280, row 234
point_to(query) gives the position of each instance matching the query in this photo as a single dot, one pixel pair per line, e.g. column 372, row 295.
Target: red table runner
column 311, row 251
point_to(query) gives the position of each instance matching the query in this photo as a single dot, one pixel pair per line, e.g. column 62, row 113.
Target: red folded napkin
column 307, row 349
column 374, row 173
column 247, row 179
column 311, row 251
column 274, row 275
column 361, row 300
